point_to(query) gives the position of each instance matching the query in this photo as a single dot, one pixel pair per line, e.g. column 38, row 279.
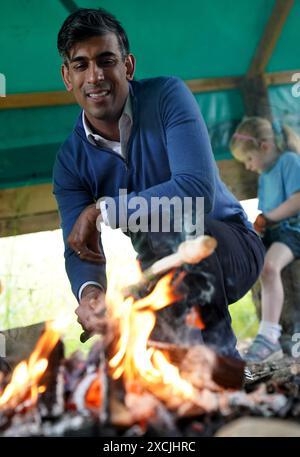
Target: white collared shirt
column 120, row 147
column 125, row 126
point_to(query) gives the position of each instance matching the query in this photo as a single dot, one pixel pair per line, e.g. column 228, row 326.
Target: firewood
column 205, row 401
column 21, row 341
column 258, row 401
column 91, row 392
column 203, row 367
column 142, row 406
column 5, row 368
column 273, row 370
column 51, row 402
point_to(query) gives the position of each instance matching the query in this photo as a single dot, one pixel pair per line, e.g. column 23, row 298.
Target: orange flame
column 25, row 379
column 93, row 398
column 133, row 359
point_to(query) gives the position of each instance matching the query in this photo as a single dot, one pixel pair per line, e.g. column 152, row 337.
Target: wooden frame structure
column 33, row 208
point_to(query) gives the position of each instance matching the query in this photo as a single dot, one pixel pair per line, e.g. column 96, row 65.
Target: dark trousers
column 223, row 278
column 213, row 284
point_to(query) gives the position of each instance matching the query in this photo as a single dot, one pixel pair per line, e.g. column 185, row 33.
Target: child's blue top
column 278, row 183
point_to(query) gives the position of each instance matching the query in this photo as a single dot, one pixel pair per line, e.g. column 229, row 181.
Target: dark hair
column 86, row 23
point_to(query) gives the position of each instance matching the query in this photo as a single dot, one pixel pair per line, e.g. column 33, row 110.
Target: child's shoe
column 263, row 350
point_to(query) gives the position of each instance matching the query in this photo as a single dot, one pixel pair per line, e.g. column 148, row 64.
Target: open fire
column 134, row 360
column 130, row 380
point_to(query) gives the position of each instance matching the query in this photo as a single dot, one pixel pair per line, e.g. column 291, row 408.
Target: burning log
column 259, row 401
column 92, row 389
column 20, row 342
column 204, row 368
column 5, row 368
column 144, row 407
column 21, row 394
column 51, row 401
column 27, row 375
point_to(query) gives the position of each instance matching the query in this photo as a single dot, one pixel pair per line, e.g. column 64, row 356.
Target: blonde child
column 272, row 152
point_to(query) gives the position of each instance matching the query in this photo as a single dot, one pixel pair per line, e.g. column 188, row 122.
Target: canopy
column 211, row 45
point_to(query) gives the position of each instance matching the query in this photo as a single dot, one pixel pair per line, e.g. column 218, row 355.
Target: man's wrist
column 93, row 211
column 89, row 287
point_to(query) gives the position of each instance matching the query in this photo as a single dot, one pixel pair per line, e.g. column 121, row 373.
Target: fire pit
column 130, row 385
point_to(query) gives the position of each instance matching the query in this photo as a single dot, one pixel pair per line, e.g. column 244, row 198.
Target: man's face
column 98, row 76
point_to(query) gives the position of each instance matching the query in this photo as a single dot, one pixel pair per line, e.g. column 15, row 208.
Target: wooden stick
column 189, row 251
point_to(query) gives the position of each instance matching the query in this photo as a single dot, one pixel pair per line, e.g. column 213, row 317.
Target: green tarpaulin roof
column 191, row 39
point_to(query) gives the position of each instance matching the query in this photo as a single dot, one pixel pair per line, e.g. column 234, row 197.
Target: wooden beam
column 280, row 77
column 36, row 99
column 21, row 201
column 70, row 5
column 32, row 209
column 32, row 223
column 214, row 84
column 58, row 98
column 270, row 37
column 27, row 209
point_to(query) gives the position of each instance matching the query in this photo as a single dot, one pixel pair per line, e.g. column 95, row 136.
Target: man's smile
column 97, row 95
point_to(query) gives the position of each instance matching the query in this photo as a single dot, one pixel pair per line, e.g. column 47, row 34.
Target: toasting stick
column 190, row 251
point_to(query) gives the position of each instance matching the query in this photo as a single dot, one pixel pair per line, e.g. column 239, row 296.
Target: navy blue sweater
column 168, row 154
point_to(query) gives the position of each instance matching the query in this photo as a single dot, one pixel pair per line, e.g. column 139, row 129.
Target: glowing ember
column 93, row 398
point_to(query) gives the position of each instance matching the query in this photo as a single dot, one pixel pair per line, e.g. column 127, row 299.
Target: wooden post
column 256, row 100
column 255, row 95
column 254, row 87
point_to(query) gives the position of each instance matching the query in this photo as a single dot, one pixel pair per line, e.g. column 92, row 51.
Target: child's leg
column 278, row 256
column 266, row 345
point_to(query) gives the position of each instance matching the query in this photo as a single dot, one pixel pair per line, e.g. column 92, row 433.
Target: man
column 146, row 137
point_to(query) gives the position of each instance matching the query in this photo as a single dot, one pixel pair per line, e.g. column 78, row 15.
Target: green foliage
column 244, row 319
column 35, row 287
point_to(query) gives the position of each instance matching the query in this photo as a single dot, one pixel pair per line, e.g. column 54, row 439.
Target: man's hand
column 261, row 223
column 91, row 312
column 84, row 237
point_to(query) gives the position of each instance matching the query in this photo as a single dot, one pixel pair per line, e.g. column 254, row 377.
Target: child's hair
column 252, row 131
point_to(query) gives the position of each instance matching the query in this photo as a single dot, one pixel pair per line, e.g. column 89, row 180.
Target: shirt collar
column 125, row 122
